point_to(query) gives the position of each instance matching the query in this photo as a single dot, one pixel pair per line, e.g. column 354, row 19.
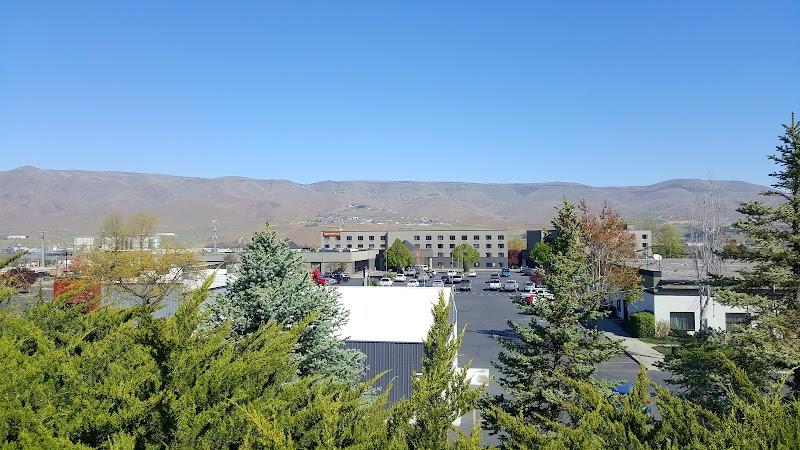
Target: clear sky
column 597, row 92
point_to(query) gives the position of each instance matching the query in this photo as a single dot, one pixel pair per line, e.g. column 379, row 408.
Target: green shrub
column 642, row 324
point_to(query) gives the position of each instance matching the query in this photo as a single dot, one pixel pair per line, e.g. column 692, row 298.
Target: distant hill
column 74, row 201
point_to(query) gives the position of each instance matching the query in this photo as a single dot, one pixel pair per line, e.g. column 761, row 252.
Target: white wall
column 665, row 304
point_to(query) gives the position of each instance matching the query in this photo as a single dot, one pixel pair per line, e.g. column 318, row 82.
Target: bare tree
column 141, row 227
column 706, row 238
column 114, row 233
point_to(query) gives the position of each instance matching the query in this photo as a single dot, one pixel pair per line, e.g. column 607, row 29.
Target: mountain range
column 73, row 202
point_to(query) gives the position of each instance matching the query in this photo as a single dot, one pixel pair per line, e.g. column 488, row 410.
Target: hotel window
column 441, row 255
column 488, row 237
column 416, row 238
column 338, row 246
column 644, row 245
column 440, row 237
column 428, row 238
column 463, row 237
column 338, row 238
column 501, row 245
column 452, row 237
column 500, row 237
column 452, row 245
column 349, row 238
column 500, row 254
column 476, row 238
column 372, row 238
column 428, row 246
column 488, row 254
column 371, row 245
column 361, row 238
column 644, row 236
column 683, row 321
column 476, row 245
column 360, row 245
column 416, row 245
column 349, row 245
column 439, row 245
column 327, row 245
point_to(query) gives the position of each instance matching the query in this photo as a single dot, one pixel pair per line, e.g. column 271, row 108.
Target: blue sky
column 602, row 93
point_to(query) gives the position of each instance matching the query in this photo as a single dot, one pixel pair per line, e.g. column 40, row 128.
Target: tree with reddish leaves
column 513, row 258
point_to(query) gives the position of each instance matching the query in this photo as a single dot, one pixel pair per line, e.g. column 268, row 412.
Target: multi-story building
column 430, row 247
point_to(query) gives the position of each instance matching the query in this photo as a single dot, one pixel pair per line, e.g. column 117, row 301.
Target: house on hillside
column 389, row 325
column 671, row 294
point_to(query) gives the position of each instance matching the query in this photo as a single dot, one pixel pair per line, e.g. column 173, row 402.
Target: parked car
column 472, row 273
column 543, row 292
column 446, row 279
column 412, row 283
column 455, row 279
column 525, row 298
column 451, row 272
column 401, row 277
column 510, row 285
column 342, row 277
column 465, row 285
column 431, row 273
column 385, row 282
column 494, row 277
column 530, row 286
column 505, row 272
column 410, row 272
column 331, row 278
column 437, row 283
column 495, row 284
column 424, row 267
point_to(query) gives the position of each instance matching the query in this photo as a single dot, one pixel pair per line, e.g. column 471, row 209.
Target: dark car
column 446, row 279
column 466, row 285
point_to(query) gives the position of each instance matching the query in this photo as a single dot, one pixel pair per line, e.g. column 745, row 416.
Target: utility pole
column 214, row 229
column 42, row 233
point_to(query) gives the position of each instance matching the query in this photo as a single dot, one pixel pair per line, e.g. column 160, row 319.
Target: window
column 440, row 264
column 416, row 245
column 383, row 246
column 644, row 245
column 488, row 237
column 440, row 237
column 327, row 245
column 440, row 255
column 439, row 245
column 349, row 238
column 501, row 237
column 501, row 245
column 488, row 245
column 360, row 245
column 349, row 245
column 500, row 255
column 428, row 246
column 361, row 238
column 476, row 245
column 428, row 238
column 683, row 321
column 735, row 319
column 644, row 236
column 371, row 245
column 372, row 238
column 383, row 238
column 338, row 246
column 490, row 264
column 452, row 245
column 463, row 237
column 338, row 238
column 488, row 254
column 452, row 237
column 476, row 238
column 416, row 238
column 501, row 264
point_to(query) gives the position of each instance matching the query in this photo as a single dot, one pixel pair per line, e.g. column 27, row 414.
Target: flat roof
column 388, row 313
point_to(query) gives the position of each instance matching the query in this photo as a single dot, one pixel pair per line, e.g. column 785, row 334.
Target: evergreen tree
column 559, row 340
column 398, row 256
column 770, row 289
column 441, row 394
column 273, row 287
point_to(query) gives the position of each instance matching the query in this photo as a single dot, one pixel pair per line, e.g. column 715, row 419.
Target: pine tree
column 441, row 393
column 770, row 289
column 273, row 287
column 559, row 340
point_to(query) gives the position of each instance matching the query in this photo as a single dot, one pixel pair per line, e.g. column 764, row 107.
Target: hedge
column 642, row 324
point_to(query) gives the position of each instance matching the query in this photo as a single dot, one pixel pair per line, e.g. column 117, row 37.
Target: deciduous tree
column 668, row 243
column 466, row 256
column 398, row 256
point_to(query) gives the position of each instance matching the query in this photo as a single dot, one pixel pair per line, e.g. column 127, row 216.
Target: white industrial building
column 389, row 325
